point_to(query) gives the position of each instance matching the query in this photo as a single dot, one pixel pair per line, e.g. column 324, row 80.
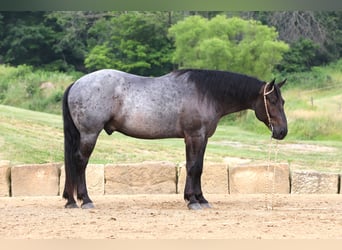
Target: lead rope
column 270, row 178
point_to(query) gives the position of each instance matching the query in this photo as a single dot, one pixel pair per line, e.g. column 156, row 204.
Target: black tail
column 71, row 146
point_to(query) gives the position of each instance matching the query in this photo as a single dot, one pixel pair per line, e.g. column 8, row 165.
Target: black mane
column 223, row 85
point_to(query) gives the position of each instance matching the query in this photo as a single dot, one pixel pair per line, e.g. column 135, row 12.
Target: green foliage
column 300, row 57
column 187, row 34
column 24, row 87
column 233, row 44
column 332, row 23
column 70, row 29
column 217, row 49
column 133, row 42
column 137, row 41
column 317, row 78
column 98, row 58
column 25, row 39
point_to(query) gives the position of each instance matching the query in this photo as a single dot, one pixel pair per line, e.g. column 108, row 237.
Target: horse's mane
column 222, row 84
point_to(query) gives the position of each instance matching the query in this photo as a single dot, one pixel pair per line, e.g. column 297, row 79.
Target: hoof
column 71, row 205
column 194, row 206
column 89, row 205
column 205, row 205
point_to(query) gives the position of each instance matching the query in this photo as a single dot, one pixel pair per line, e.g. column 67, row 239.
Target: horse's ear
column 272, row 82
column 267, row 84
column 281, row 83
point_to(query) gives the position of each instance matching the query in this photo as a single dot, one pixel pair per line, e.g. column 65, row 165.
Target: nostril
column 280, row 133
column 283, row 132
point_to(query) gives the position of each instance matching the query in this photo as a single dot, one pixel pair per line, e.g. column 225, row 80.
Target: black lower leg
column 195, row 148
column 82, row 193
column 201, row 199
column 191, row 188
column 69, row 189
column 86, row 148
column 68, row 194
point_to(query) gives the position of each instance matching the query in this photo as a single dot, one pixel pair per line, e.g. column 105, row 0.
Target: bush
column 21, row 87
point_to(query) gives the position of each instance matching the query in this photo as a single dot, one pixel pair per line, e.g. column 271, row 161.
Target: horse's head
column 269, row 109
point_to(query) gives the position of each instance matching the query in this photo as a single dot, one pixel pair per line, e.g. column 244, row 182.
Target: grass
column 28, row 136
column 35, row 137
column 315, row 115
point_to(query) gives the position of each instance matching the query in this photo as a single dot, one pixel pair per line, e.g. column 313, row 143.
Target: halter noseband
column 265, row 102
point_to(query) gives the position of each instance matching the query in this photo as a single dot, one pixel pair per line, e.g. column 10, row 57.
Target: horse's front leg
column 195, row 149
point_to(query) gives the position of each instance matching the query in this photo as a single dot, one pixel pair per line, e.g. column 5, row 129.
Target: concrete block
column 214, row 178
column 313, row 182
column 94, row 179
column 5, row 172
column 35, row 180
column 259, row 178
column 140, row 178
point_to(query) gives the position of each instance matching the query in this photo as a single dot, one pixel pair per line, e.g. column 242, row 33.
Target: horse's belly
column 150, row 125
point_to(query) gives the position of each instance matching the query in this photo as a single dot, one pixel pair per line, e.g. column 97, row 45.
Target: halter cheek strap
column 266, row 107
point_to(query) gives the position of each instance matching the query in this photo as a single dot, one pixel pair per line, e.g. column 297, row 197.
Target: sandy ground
column 166, row 217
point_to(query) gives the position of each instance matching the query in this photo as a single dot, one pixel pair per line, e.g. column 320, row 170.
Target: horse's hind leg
column 87, row 145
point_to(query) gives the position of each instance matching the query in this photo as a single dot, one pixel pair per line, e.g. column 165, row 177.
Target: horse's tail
column 71, row 146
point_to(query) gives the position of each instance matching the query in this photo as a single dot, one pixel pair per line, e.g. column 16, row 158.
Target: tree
column 139, row 42
column 295, row 25
column 25, row 39
column 98, row 57
column 222, row 43
column 315, row 37
column 332, row 22
column 300, row 57
column 71, row 28
column 1, row 36
column 53, row 40
column 134, row 42
column 214, row 48
column 187, row 35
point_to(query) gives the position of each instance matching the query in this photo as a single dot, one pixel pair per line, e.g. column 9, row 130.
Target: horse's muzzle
column 279, row 133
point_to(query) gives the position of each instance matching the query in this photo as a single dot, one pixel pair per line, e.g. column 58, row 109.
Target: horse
column 185, row 103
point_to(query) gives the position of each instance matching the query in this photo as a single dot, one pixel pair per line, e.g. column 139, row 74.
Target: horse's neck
column 234, row 107
column 239, row 104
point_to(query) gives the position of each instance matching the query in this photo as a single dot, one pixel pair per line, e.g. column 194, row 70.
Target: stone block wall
column 166, row 178
column 313, row 182
column 260, row 178
column 139, row 178
column 5, row 171
column 35, row 180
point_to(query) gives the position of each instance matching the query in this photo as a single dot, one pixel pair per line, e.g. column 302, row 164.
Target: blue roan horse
column 182, row 104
